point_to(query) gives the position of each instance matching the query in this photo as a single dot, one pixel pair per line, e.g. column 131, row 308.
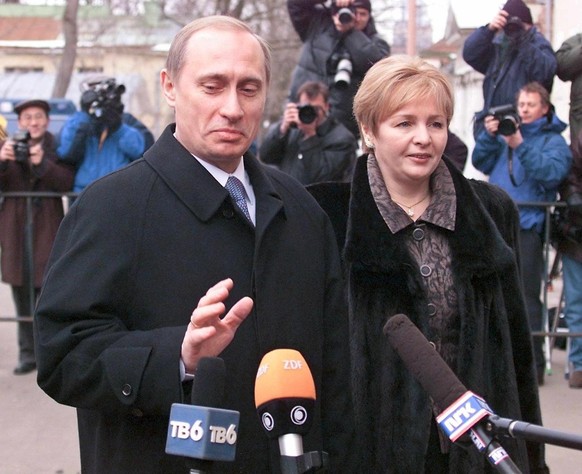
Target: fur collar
column 477, row 245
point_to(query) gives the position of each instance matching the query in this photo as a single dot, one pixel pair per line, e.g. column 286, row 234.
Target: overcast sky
column 468, row 13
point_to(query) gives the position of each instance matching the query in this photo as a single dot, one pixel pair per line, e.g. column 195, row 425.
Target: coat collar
column 198, row 190
column 477, row 245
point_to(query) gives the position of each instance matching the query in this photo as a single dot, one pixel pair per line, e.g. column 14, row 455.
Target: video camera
column 101, row 96
column 21, row 147
column 509, row 120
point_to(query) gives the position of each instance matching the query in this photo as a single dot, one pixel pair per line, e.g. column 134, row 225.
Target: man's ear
column 168, row 87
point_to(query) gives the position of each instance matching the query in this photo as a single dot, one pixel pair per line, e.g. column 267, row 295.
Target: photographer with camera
column 97, row 140
column 510, row 52
column 307, row 143
column 339, row 45
column 28, row 162
column 525, row 154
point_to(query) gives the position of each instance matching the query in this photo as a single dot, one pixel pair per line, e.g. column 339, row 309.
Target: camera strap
column 510, row 168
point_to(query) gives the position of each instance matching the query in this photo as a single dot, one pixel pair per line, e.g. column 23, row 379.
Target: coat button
column 300, row 156
column 418, row 234
column 431, row 309
column 137, row 412
column 425, row 270
column 126, row 390
column 228, row 212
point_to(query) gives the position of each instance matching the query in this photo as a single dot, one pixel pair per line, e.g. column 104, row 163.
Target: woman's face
column 409, row 143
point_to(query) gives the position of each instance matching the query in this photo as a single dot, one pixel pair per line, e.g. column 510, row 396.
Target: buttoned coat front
column 134, row 255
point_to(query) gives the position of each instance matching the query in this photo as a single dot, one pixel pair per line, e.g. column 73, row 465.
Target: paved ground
column 40, row 436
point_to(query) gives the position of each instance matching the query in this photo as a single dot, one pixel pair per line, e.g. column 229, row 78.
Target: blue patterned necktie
column 237, row 192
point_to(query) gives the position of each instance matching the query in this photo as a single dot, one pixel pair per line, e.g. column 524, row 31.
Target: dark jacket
column 393, row 412
column 508, row 65
column 321, row 40
column 134, row 255
column 329, row 155
column 568, row 232
column 569, row 58
column 50, row 176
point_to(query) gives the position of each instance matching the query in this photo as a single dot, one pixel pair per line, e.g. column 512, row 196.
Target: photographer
column 510, row 52
column 335, row 41
column 97, row 140
column 307, row 143
column 28, row 162
column 529, row 161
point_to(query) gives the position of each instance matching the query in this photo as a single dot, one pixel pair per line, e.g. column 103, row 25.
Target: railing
column 549, row 332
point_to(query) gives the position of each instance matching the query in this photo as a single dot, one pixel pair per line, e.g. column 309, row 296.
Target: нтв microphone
column 285, row 401
column 463, row 410
column 202, row 431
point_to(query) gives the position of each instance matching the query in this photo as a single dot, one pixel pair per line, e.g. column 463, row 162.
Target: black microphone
column 464, row 410
column 285, row 401
column 203, row 432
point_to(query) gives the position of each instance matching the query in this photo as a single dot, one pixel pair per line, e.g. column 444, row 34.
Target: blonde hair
column 178, row 48
column 395, row 81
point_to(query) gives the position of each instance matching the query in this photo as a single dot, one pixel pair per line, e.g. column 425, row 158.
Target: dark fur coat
column 494, row 354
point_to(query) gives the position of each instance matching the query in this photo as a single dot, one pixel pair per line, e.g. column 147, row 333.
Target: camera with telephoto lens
column 103, row 95
column 514, row 26
column 342, row 65
column 508, row 117
column 307, row 113
column 21, row 147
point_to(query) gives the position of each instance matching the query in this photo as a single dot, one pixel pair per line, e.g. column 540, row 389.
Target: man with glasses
column 307, row 143
column 28, row 163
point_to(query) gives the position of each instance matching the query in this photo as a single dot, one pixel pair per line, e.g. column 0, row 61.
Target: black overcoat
column 136, row 252
column 495, row 358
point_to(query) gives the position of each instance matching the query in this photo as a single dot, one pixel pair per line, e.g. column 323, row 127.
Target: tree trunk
column 67, row 63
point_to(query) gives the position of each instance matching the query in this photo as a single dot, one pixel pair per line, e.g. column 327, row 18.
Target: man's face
column 530, row 108
column 219, row 95
column 362, row 18
column 35, row 120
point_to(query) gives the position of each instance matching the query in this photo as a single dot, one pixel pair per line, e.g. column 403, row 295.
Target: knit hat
column 362, row 4
column 519, row 9
column 43, row 104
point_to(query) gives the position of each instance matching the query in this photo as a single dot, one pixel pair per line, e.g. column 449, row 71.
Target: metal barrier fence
column 550, row 331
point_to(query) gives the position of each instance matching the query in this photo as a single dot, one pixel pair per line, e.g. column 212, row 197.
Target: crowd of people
column 352, row 209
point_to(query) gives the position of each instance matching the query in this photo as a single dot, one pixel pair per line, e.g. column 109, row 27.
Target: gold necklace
column 409, row 209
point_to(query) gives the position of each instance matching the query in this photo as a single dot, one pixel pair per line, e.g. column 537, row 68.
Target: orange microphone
column 285, row 399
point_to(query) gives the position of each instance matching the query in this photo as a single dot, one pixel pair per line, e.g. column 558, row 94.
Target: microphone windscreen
column 423, row 361
column 283, row 373
column 209, row 382
column 285, row 394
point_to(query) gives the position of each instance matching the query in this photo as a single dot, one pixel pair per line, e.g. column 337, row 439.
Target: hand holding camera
column 302, row 116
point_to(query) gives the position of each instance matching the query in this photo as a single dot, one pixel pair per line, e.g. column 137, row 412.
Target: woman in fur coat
column 425, row 241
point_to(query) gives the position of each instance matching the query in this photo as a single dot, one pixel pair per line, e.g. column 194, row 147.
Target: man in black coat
column 307, row 143
column 327, row 40
column 142, row 248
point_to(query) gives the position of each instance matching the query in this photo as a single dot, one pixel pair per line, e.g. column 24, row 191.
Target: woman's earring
column 368, row 143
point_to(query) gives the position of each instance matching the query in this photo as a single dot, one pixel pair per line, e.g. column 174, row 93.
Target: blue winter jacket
column 540, row 163
column 79, row 145
column 529, row 58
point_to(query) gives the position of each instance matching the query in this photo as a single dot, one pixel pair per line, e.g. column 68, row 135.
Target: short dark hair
column 312, row 89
